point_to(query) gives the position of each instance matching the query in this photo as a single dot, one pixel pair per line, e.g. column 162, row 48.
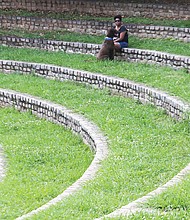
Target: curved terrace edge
column 173, row 106
column 136, row 206
column 65, row 117
column 127, row 54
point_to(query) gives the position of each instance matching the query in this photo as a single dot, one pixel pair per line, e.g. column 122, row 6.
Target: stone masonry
column 65, row 117
column 127, row 54
column 144, row 94
column 91, row 27
column 152, row 9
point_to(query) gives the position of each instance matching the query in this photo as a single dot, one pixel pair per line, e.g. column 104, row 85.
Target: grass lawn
column 175, row 82
column 43, row 159
column 166, row 45
column 147, row 148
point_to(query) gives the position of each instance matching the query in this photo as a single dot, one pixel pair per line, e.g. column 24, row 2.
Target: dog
column 107, row 50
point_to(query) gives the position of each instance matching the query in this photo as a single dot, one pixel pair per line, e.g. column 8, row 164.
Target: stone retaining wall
column 144, row 94
column 55, row 113
column 127, row 54
column 171, row 10
column 65, row 117
column 91, row 27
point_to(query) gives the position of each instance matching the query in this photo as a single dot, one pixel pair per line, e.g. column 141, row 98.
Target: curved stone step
column 118, row 85
column 89, row 132
column 172, row 105
column 136, row 206
column 127, row 54
column 92, row 27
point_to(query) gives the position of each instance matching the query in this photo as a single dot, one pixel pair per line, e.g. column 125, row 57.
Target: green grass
column 173, row 204
column 174, row 215
column 174, row 199
column 147, row 148
column 165, row 78
column 77, row 16
column 43, row 159
column 53, row 35
column 166, row 45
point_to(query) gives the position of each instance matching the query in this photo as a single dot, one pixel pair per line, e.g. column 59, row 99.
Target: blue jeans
column 123, row 44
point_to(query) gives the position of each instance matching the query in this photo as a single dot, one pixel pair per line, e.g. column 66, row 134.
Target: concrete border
column 127, row 54
column 65, row 117
column 136, row 206
column 172, row 105
column 92, row 27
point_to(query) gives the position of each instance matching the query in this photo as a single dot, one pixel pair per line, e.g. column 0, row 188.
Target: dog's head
column 111, row 32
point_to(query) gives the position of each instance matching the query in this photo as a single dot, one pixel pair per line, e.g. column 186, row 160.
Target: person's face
column 117, row 22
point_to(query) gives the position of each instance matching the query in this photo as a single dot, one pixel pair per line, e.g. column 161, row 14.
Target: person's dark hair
column 118, row 16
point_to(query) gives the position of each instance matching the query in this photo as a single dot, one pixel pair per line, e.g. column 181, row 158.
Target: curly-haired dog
column 107, row 50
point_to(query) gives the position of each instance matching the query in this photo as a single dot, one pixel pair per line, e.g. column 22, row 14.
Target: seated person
column 121, row 39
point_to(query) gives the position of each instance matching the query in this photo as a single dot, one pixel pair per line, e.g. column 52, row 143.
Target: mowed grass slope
column 147, row 148
column 42, row 160
column 165, row 78
column 167, row 45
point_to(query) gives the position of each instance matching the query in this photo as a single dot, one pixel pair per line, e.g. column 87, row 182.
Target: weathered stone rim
column 127, row 54
column 115, row 84
column 136, row 206
column 172, row 105
column 89, row 132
